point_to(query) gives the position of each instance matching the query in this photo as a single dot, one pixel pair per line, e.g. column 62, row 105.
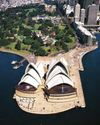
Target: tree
column 68, row 39
column 40, row 40
column 40, row 21
column 26, row 32
column 41, row 52
column 35, row 45
column 34, row 36
column 70, row 32
column 58, row 45
column 64, row 46
column 59, row 35
column 48, row 23
column 18, row 45
column 28, row 40
column 37, row 49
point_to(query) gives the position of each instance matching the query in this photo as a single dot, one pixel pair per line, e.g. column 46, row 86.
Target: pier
column 30, row 58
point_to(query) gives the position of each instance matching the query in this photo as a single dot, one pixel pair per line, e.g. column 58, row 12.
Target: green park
column 33, row 29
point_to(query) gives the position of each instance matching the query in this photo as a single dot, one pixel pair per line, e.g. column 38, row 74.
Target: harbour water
column 11, row 114
column 98, row 37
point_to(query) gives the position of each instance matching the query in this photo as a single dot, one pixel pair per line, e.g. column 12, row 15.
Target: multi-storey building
column 82, row 15
column 97, row 2
column 77, row 13
column 92, row 14
column 85, row 3
column 71, row 2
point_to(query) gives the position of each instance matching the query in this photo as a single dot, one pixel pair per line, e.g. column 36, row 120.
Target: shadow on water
column 11, row 114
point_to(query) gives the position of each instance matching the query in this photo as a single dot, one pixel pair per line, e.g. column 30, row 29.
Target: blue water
column 11, row 114
column 97, row 36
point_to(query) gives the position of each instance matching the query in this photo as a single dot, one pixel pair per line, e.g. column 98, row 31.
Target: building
column 71, row 2
column 69, row 9
column 57, row 86
column 84, row 36
column 61, row 1
column 4, row 4
column 0, row 2
column 77, row 13
column 82, row 16
column 92, row 14
column 97, row 2
column 15, row 3
column 85, row 3
column 50, row 8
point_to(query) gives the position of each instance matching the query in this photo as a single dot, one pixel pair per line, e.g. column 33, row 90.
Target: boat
column 17, row 65
column 13, row 62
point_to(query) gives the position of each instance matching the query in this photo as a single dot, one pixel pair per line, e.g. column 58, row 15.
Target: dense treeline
column 18, row 30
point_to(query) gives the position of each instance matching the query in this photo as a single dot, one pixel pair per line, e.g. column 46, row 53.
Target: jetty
column 29, row 58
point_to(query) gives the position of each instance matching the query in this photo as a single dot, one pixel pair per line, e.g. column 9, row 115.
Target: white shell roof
column 55, row 71
column 59, row 79
column 40, row 69
column 32, row 75
column 57, row 75
column 28, row 67
column 64, row 61
column 30, row 80
column 54, row 62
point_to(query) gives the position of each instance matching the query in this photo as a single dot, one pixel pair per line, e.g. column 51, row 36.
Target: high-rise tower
column 85, row 3
column 77, row 12
column 92, row 14
column 82, row 15
column 97, row 2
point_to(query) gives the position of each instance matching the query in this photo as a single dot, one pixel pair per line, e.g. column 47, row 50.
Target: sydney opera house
column 47, row 88
column 57, row 82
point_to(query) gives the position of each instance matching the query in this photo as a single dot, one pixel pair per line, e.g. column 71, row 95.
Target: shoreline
column 75, row 53
column 20, row 53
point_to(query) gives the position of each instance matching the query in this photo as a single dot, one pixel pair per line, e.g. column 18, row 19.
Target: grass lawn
column 61, row 27
column 36, row 26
